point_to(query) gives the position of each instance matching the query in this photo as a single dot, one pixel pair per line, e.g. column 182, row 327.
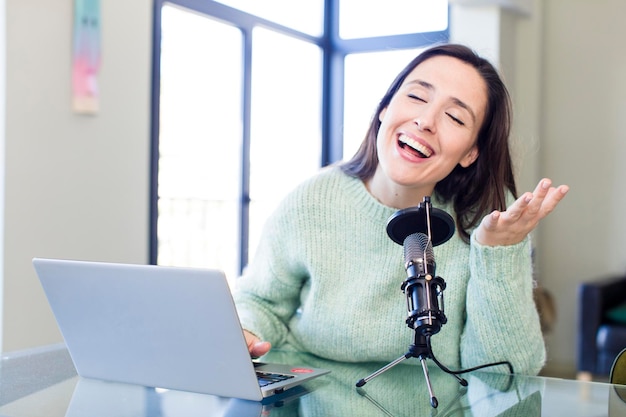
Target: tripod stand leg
column 390, row 365
column 433, row 400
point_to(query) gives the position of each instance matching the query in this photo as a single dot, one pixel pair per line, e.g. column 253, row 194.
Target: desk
column 43, row 383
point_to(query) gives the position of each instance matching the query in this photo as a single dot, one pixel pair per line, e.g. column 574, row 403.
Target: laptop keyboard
column 266, row 378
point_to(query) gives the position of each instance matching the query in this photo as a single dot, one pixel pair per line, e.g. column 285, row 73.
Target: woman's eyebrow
column 423, row 83
column 455, row 100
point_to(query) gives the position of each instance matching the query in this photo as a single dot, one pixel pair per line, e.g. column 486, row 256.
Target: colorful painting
column 86, row 56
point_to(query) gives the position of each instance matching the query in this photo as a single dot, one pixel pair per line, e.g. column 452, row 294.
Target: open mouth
column 414, row 147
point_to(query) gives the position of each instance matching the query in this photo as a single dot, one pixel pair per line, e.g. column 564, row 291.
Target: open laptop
column 158, row 326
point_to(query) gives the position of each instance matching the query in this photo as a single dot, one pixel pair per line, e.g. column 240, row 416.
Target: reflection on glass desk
column 43, row 382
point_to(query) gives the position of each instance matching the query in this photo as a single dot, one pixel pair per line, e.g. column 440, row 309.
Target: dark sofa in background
column 601, row 325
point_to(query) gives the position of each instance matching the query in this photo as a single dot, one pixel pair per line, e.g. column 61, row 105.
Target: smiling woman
column 487, row 98
column 429, row 126
column 441, row 128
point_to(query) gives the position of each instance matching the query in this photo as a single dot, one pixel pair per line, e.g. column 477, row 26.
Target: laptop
column 167, row 327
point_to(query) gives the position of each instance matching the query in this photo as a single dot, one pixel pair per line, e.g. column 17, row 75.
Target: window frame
column 334, row 50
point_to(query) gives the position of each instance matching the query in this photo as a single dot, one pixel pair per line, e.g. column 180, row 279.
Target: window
column 396, row 17
column 200, row 141
column 253, row 96
column 285, row 120
column 304, row 15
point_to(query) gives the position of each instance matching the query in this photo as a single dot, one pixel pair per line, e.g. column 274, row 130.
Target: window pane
column 200, row 142
column 286, row 120
column 365, row 85
column 361, row 19
column 302, row 15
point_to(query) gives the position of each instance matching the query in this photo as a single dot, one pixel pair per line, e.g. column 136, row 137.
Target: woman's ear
column 381, row 115
column 470, row 157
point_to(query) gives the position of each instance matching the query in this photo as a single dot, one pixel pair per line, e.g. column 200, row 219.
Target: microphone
column 423, row 290
column 418, row 229
column 419, row 255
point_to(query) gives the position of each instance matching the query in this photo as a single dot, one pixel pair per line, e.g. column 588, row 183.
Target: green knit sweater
column 326, row 280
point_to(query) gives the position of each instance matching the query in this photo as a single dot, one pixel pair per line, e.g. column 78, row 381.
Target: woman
column 326, row 276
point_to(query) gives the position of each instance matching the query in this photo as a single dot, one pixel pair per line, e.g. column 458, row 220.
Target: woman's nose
column 425, row 121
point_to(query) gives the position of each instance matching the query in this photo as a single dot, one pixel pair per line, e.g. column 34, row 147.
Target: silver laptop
column 157, row 326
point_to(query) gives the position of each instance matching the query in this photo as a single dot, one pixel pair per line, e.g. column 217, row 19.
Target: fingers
column 259, row 349
column 545, row 198
column 538, row 204
column 513, row 225
column 256, row 346
column 552, row 199
column 490, row 222
column 520, row 207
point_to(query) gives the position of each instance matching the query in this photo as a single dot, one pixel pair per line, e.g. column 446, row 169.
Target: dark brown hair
column 480, row 188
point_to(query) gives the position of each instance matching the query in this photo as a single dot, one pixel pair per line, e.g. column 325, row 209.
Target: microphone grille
column 417, row 246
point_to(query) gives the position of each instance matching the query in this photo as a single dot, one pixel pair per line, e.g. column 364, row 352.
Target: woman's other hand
column 256, row 346
column 509, row 227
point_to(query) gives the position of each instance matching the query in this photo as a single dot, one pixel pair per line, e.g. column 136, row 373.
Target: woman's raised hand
column 509, row 227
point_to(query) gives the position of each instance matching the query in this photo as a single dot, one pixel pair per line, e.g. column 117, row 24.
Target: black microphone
column 423, row 289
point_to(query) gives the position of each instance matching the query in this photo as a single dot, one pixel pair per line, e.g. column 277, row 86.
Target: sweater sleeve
column 502, row 322
column 267, row 294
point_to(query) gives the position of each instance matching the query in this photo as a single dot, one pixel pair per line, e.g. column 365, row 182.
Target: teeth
column 415, row 145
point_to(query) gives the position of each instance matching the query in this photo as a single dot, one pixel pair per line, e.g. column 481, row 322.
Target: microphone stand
column 420, row 349
column 399, row 227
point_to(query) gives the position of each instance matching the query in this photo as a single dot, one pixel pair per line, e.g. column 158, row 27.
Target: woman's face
column 430, row 125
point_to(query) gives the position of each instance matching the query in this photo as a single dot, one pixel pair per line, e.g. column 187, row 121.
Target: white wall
column 77, row 186
column 583, row 144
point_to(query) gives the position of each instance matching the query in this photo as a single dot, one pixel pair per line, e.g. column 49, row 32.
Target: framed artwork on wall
column 86, row 56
